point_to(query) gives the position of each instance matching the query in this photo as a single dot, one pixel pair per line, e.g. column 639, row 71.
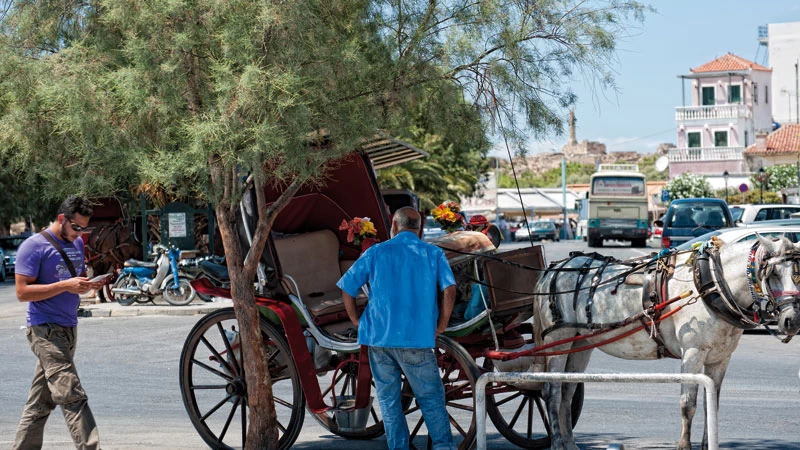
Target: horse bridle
column 758, row 278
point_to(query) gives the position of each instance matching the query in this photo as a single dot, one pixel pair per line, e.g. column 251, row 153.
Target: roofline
column 723, row 73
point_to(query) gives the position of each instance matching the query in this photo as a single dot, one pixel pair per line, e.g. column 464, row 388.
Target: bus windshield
column 618, row 186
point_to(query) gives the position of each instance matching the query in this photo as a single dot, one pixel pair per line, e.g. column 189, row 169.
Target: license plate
column 616, row 231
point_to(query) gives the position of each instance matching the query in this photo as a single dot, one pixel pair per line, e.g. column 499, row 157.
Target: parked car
column 431, row 230
column 688, row 218
column 539, row 230
column 748, row 233
column 654, row 239
column 745, row 214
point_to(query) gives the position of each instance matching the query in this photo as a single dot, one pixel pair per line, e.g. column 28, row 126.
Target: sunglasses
column 79, row 229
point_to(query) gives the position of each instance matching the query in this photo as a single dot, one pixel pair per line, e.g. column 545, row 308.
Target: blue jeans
column 422, row 372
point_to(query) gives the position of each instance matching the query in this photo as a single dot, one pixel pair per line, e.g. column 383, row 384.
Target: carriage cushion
column 312, row 260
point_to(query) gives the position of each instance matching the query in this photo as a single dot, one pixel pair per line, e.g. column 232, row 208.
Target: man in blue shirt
column 401, row 322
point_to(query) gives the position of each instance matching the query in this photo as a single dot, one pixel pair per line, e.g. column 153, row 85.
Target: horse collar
column 715, row 291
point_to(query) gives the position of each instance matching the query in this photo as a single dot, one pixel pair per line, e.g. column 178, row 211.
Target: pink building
column 730, row 103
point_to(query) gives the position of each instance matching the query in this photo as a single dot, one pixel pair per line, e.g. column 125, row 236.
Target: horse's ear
column 764, row 241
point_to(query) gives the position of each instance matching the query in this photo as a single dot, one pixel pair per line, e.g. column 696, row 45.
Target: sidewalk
column 91, row 307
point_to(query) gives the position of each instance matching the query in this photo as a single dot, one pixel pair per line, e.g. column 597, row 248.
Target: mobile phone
column 100, row 278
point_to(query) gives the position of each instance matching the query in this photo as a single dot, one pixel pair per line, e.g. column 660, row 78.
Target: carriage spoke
column 529, row 401
column 228, row 420
column 460, row 406
column 244, row 423
column 456, row 388
column 216, row 407
column 509, row 398
column 333, row 384
column 455, row 424
column 228, row 345
column 213, row 370
column 416, row 429
column 516, row 414
column 217, row 354
column 543, row 415
column 208, row 386
column 283, row 402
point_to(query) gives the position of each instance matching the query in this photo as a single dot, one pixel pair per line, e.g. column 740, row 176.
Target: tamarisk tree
column 191, row 95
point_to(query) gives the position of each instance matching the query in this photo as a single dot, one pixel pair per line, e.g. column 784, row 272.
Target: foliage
column 689, row 185
column 647, row 166
column 187, row 97
column 776, row 177
column 576, row 173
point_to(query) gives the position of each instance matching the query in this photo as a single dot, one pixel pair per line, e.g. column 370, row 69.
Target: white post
column 682, row 378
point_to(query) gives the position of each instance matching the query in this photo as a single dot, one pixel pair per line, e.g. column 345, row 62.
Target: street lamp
column 725, row 175
column 761, row 178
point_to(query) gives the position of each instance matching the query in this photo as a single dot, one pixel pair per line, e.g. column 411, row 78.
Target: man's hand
column 79, row 285
column 448, row 300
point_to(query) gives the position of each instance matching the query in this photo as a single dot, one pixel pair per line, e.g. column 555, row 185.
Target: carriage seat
column 312, row 260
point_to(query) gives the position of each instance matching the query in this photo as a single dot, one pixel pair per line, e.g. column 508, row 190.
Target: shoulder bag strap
column 58, row 247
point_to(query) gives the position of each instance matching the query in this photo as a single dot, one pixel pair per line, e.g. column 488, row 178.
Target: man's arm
column 448, row 300
column 351, row 307
column 28, row 291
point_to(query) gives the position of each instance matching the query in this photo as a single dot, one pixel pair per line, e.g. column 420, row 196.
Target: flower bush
column 448, row 216
column 359, row 229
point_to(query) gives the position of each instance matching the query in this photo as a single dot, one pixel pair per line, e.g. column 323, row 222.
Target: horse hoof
column 684, row 446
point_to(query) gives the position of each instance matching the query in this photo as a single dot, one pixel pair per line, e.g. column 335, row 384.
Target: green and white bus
column 618, row 205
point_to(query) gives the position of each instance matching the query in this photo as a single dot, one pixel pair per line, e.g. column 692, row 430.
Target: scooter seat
column 215, row 271
column 137, row 263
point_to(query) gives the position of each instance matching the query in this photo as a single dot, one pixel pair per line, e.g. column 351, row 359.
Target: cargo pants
column 55, row 383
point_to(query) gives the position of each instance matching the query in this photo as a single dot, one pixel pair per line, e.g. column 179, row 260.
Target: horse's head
column 778, row 276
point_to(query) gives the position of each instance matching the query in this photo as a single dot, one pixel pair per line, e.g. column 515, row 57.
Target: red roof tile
column 729, row 62
column 785, row 139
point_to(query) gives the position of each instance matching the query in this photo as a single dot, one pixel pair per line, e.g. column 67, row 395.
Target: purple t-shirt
column 37, row 257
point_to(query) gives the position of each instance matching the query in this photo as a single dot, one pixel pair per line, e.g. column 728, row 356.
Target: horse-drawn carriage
column 314, row 361
column 693, row 305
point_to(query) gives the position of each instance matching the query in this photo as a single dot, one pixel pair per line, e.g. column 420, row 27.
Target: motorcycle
column 211, row 267
column 141, row 281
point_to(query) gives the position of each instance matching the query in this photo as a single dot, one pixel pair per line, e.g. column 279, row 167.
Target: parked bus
column 618, row 205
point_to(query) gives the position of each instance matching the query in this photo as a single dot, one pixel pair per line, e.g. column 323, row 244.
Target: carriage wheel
column 459, row 374
column 213, row 385
column 520, row 415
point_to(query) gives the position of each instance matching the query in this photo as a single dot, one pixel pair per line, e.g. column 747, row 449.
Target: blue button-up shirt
column 405, row 276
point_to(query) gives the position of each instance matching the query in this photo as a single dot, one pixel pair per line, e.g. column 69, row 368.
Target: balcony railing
column 706, row 154
column 712, row 112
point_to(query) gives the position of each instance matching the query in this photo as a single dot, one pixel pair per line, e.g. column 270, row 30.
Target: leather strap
column 58, row 247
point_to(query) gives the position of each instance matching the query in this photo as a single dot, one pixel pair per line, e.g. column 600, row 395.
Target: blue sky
column 680, row 35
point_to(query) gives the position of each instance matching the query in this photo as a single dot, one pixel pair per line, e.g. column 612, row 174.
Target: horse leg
column 552, row 398
column 577, row 363
column 717, row 374
column 692, row 363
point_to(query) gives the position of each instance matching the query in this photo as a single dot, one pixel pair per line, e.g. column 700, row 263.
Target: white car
column 745, row 214
column 748, row 233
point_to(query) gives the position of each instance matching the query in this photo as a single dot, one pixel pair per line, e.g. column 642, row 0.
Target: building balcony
column 702, row 154
column 684, row 113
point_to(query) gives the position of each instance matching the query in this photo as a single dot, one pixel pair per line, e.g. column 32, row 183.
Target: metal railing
column 681, row 378
column 735, row 111
column 705, row 154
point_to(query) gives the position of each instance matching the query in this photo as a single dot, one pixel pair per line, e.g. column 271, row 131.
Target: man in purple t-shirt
column 51, row 286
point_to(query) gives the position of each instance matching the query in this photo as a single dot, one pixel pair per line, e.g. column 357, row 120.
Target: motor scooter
column 141, row 281
column 210, row 267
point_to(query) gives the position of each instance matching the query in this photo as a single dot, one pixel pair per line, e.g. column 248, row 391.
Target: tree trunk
column 262, row 431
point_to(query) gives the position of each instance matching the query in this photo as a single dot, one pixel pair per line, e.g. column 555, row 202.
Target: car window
column 10, row 244
column 762, row 215
column 542, row 224
column 737, row 213
column 771, row 235
column 430, row 223
column 783, row 213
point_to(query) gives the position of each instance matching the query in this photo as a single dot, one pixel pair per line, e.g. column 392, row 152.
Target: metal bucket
column 351, row 420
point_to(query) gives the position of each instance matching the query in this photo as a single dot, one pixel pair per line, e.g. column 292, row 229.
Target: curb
column 112, row 309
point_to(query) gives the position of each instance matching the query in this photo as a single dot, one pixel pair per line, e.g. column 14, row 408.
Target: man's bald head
column 406, row 218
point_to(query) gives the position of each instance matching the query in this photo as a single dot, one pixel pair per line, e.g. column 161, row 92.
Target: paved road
column 129, row 366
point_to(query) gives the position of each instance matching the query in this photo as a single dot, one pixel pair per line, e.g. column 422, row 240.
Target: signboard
column 177, row 224
column 664, row 196
column 743, row 188
column 618, row 186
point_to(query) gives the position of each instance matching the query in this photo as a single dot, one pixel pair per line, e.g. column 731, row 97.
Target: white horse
column 702, row 329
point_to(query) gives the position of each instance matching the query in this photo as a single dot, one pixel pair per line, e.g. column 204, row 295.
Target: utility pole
column 564, row 233
column 797, row 92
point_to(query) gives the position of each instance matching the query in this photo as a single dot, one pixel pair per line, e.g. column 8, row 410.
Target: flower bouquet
column 360, row 231
column 448, row 216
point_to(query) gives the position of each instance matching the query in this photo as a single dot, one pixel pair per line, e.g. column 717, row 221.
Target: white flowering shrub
column 776, row 177
column 689, row 185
